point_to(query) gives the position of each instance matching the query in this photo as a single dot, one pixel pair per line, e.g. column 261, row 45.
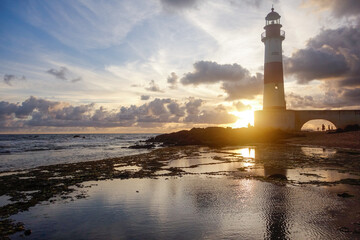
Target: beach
column 349, row 140
column 298, row 189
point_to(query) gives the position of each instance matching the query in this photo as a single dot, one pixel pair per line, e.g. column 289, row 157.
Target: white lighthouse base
column 277, row 119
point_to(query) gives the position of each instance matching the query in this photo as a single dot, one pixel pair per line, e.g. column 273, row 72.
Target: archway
column 318, row 125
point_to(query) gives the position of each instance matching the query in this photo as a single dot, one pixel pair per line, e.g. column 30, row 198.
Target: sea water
column 19, row 152
column 214, row 200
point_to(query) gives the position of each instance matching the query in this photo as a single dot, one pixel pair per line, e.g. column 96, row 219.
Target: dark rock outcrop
column 218, row 136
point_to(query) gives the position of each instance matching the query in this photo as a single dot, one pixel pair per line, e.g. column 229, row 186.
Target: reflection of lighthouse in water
column 275, row 198
column 274, row 97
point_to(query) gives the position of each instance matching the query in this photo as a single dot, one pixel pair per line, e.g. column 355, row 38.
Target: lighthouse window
column 276, row 87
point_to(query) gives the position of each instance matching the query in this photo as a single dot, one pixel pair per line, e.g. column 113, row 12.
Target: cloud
column 334, row 53
column 212, row 72
column 78, row 79
column 236, row 80
column 59, row 74
column 332, row 98
column 145, row 97
column 252, row 3
column 333, row 58
column 88, row 24
column 179, row 4
column 322, row 63
column 9, row 79
column 240, row 106
column 37, row 112
column 172, row 80
column 153, row 87
column 64, row 74
column 248, row 88
column 343, row 8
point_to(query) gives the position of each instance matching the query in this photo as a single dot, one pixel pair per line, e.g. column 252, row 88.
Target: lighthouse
column 273, row 36
column 274, row 114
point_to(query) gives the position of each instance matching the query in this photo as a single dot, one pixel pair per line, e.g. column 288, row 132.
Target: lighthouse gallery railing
column 282, row 34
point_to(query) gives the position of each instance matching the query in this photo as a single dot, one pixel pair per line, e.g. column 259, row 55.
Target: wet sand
column 336, row 140
column 330, row 175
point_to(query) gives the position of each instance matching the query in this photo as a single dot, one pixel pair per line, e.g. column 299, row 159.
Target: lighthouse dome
column 272, row 15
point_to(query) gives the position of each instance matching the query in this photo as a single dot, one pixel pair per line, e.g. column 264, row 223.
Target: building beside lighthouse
column 274, row 113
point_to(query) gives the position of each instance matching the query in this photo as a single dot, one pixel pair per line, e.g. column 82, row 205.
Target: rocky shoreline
column 63, row 182
column 348, row 140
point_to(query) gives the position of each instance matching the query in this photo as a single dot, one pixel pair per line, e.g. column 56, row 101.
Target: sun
column 244, row 118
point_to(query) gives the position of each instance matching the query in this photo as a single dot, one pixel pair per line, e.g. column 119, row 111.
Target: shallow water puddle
column 318, row 152
column 133, row 168
column 217, row 196
column 192, row 207
column 4, row 200
column 311, row 174
column 189, row 162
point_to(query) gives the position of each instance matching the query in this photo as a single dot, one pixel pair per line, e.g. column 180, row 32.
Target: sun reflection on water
column 245, row 152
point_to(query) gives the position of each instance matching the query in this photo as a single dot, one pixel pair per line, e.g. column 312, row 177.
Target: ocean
column 18, row 152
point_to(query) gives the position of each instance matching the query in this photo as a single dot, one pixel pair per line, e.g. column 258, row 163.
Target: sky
column 164, row 65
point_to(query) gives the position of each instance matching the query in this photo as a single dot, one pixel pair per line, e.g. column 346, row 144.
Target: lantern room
column 272, row 18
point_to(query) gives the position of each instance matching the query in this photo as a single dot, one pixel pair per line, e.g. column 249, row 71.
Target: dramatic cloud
column 64, row 74
column 212, row 72
column 248, row 88
column 339, row 8
column 334, row 53
column 172, row 80
column 332, row 57
column 44, row 113
column 145, row 97
column 153, row 87
column 236, row 80
column 332, row 98
column 9, row 79
column 217, row 116
column 322, row 63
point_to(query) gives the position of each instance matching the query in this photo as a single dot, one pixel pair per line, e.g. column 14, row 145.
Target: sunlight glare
column 244, row 118
column 245, row 152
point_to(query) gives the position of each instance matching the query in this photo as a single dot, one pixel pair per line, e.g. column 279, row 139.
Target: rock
column 146, row 146
column 344, row 229
column 76, row 136
column 218, row 136
column 277, row 176
column 27, row 232
column 344, row 195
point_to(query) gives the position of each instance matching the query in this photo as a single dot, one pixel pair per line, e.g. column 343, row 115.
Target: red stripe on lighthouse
column 273, row 72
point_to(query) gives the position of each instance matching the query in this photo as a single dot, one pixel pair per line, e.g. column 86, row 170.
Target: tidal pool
column 192, row 207
column 212, row 194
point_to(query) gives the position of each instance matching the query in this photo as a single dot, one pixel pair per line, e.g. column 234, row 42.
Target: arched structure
column 294, row 120
column 340, row 118
column 274, row 113
column 318, row 125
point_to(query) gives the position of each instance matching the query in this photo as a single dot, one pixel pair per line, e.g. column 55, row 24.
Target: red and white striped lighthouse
column 273, row 97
